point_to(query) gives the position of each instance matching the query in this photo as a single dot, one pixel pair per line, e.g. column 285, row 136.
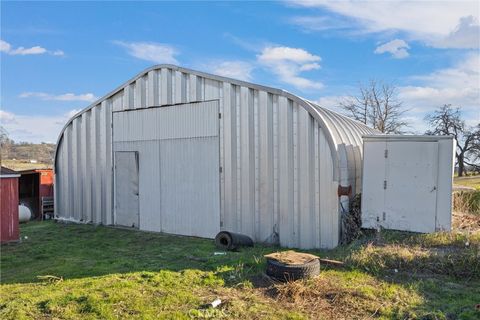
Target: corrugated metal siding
column 190, row 204
column 163, row 123
column 282, row 156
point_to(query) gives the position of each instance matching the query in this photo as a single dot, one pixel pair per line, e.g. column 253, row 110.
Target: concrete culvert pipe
column 231, row 241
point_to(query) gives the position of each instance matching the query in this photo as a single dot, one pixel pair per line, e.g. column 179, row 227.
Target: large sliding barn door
column 179, row 166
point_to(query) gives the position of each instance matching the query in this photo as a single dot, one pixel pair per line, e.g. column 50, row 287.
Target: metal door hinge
column 384, row 184
column 221, row 169
column 386, row 153
column 219, row 116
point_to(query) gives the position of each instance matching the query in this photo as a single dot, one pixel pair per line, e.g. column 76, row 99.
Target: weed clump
column 467, row 202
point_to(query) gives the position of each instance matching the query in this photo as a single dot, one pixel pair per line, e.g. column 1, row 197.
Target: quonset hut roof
column 345, row 134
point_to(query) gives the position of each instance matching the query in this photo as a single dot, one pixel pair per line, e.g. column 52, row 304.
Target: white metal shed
column 407, row 182
column 185, row 152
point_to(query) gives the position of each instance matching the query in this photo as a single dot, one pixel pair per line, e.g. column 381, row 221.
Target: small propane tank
column 24, row 213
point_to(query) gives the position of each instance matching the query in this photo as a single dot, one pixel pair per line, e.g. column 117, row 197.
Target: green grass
column 72, row 271
column 468, row 181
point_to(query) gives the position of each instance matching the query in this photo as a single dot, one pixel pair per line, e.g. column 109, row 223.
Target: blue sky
column 57, row 57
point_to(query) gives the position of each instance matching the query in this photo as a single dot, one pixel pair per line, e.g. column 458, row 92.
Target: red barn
column 8, row 205
column 35, row 185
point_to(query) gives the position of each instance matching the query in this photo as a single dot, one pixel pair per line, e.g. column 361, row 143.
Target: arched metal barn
column 185, row 152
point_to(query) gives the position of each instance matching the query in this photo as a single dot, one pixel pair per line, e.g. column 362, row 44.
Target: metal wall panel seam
column 285, row 172
column 83, row 165
column 221, row 134
column 109, row 166
column 296, row 212
column 316, row 161
column 274, row 102
column 69, row 172
column 152, row 88
column 256, row 179
column 239, row 160
column 230, row 157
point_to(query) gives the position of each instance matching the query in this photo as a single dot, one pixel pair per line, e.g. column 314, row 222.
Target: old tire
column 292, row 272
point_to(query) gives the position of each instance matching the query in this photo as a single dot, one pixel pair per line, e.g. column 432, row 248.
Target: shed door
column 126, row 189
column 189, row 180
column 373, row 192
column 411, row 187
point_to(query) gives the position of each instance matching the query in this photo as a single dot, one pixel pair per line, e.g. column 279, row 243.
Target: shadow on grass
column 76, row 251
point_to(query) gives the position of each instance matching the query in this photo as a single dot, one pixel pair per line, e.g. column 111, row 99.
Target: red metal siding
column 9, row 209
column 46, row 183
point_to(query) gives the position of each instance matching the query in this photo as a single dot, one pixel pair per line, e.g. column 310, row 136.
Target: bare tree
column 377, row 105
column 447, row 120
column 5, row 142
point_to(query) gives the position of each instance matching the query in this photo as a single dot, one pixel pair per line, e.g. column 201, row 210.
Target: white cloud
column 240, row 70
column 22, row 51
column 6, row 117
column 89, row 97
column 458, row 85
column 446, row 24
column 465, row 35
column 289, row 54
column 319, row 23
column 331, row 102
column 150, row 51
column 34, row 128
column 72, row 112
column 26, row 51
column 398, row 48
column 5, row 46
column 287, row 63
column 58, row 53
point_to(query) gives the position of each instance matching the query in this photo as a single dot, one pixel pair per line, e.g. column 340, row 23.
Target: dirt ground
column 466, row 222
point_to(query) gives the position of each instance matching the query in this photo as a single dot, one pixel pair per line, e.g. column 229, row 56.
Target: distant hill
column 27, row 155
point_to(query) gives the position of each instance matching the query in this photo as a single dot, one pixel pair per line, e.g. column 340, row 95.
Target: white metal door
column 411, row 186
column 373, row 192
column 126, row 189
column 190, row 192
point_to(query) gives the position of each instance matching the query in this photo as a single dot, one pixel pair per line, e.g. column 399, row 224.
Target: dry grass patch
column 352, row 295
column 467, row 202
column 443, row 253
column 465, row 222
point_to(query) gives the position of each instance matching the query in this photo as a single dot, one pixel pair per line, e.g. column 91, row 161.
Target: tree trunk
column 461, row 165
